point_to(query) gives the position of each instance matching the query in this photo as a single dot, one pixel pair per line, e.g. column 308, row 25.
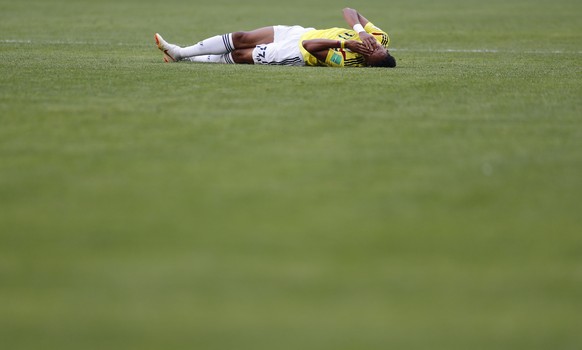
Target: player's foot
column 169, row 50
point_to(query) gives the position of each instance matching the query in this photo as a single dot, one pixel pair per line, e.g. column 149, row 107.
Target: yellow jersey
column 338, row 57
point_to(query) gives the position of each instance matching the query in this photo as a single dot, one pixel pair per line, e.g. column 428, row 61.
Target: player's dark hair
column 389, row 61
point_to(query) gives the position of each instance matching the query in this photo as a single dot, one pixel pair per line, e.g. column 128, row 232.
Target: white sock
column 217, row 45
column 224, row 59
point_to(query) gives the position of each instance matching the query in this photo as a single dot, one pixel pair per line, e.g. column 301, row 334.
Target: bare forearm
column 315, row 45
column 358, row 22
column 320, row 47
column 353, row 17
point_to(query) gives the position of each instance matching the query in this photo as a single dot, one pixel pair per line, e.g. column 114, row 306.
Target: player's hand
column 358, row 47
column 368, row 40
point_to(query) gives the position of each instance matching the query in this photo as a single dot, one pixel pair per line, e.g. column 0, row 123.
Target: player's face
column 377, row 55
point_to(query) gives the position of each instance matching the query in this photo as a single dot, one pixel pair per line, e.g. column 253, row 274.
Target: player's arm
column 356, row 21
column 353, row 17
column 320, row 47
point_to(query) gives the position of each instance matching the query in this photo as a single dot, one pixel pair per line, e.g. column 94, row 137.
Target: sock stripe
column 228, row 58
column 227, row 42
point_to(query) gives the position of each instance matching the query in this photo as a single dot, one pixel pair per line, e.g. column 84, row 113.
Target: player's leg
column 284, row 50
column 239, row 56
column 244, row 40
column 243, row 56
column 216, row 45
column 224, row 59
column 226, row 43
column 277, row 45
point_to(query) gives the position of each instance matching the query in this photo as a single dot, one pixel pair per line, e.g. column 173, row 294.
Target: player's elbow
column 348, row 9
column 308, row 45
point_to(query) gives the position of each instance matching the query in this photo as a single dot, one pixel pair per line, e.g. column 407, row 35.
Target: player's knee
column 237, row 55
column 242, row 56
column 241, row 39
column 245, row 40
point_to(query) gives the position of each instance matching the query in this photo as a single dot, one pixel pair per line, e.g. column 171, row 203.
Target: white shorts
column 284, row 50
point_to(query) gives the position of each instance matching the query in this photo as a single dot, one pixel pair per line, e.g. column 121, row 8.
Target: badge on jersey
column 336, row 58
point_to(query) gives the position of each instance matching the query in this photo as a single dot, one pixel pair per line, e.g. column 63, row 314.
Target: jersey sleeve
column 378, row 33
column 334, row 59
column 344, row 58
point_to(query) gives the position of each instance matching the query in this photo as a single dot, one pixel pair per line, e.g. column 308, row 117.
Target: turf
column 175, row 206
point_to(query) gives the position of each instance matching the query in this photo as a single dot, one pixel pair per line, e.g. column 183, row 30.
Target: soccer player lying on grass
column 363, row 46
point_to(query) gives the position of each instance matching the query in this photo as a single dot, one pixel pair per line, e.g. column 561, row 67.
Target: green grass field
column 184, row 206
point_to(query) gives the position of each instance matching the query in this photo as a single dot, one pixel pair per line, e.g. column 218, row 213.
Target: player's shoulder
column 380, row 34
column 371, row 27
